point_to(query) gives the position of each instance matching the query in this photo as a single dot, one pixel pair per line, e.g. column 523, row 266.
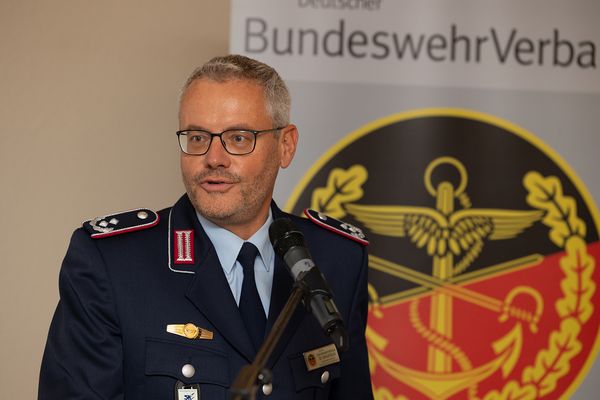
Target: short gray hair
column 234, row 66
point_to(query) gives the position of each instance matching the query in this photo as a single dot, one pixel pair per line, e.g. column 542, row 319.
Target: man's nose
column 217, row 156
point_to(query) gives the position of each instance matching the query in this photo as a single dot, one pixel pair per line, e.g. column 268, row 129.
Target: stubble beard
column 227, row 209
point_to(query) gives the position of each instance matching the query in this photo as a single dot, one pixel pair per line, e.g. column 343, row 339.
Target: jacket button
column 267, row 389
column 188, row 370
column 142, row 215
column 325, row 377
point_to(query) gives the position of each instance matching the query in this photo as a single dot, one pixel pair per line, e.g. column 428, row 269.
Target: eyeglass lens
column 234, row 141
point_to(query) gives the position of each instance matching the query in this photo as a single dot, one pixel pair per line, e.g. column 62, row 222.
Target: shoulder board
column 335, row 225
column 122, row 222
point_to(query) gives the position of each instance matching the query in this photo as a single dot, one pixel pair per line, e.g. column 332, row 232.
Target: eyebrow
column 194, row 127
column 233, row 127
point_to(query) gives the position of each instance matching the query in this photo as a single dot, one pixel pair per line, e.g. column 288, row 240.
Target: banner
column 461, row 138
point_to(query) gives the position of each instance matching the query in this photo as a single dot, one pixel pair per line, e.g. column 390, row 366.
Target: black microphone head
column 284, row 235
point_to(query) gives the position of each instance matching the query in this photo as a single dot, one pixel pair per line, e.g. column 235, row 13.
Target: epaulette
column 122, row 222
column 335, row 225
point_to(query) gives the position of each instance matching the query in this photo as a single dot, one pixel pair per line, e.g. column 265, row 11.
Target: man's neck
column 243, row 230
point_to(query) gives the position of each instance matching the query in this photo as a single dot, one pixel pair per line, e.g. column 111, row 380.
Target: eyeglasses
column 237, row 142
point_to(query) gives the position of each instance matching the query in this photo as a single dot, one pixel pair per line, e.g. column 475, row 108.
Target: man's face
column 233, row 191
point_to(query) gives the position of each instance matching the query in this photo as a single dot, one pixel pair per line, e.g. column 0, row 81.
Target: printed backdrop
column 461, row 137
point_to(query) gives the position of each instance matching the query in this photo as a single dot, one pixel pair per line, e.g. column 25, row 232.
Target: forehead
column 234, row 101
column 212, row 104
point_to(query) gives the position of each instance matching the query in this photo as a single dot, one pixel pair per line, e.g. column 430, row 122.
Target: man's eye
column 239, row 138
column 197, row 138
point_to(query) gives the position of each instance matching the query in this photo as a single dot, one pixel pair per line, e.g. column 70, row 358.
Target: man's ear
column 288, row 140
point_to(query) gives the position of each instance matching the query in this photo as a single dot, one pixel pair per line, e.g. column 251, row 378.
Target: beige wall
column 88, row 102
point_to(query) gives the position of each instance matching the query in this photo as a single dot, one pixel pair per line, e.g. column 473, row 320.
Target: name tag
column 321, row 357
column 187, row 394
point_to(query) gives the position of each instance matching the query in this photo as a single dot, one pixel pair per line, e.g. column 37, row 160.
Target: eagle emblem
column 466, row 301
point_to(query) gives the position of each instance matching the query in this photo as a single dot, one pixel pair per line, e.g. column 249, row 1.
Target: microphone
column 288, row 243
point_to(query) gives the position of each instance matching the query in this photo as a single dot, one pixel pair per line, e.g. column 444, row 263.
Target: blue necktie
column 250, row 306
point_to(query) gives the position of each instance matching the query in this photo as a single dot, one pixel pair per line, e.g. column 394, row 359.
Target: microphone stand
column 250, row 376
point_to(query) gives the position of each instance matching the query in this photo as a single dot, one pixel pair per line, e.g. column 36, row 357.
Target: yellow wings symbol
column 456, row 232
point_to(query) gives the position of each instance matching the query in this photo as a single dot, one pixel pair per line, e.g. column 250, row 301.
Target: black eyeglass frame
column 219, row 135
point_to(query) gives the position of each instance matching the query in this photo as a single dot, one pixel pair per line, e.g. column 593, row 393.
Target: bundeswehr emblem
column 483, row 255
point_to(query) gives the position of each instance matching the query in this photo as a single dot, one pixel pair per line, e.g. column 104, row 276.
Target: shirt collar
column 227, row 244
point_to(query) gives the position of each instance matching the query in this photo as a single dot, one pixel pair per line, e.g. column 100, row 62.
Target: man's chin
column 215, row 210
column 219, row 218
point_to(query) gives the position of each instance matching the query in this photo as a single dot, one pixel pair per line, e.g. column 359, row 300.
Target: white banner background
column 523, row 75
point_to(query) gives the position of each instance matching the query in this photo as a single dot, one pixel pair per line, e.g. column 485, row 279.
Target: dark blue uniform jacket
column 108, row 337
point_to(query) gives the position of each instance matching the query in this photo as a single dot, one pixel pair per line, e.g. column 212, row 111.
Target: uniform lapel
column 210, row 293
column 209, row 290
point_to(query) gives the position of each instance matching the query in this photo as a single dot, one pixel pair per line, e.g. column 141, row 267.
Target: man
column 173, row 304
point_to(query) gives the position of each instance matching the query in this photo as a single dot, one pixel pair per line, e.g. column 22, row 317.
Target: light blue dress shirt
column 228, row 245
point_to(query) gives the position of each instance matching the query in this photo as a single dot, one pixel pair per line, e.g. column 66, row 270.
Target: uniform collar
column 182, row 218
column 228, row 245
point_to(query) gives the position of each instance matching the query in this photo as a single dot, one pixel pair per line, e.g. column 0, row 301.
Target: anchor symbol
column 446, row 234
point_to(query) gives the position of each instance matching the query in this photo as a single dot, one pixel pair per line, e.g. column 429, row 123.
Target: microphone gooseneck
column 288, row 243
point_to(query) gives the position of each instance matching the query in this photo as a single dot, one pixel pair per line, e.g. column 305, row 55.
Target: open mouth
column 216, row 184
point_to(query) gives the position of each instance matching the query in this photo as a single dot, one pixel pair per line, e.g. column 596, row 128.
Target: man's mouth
column 215, row 181
column 216, row 184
